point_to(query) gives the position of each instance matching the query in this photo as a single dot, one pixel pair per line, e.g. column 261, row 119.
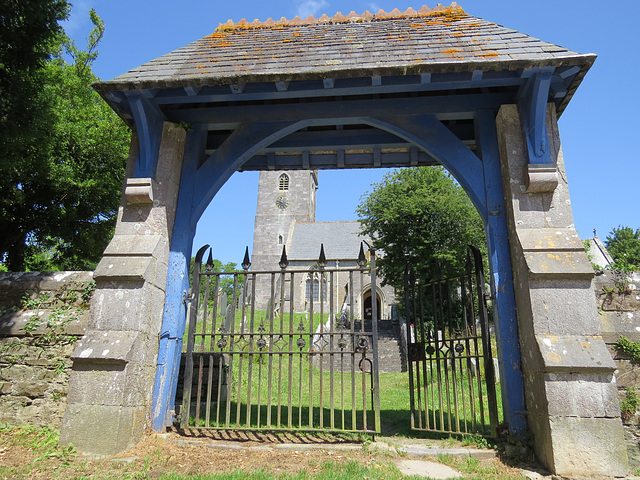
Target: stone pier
column 114, row 364
column 570, row 390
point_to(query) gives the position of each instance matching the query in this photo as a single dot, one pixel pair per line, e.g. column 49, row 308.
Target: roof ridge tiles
column 439, row 9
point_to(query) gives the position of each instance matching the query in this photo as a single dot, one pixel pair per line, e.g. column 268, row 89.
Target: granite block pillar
column 570, row 391
column 114, row 364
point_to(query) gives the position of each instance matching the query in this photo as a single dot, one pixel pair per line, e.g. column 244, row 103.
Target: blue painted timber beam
column 339, row 160
column 445, row 107
column 148, row 122
column 501, row 275
column 247, row 140
column 343, row 87
column 532, row 104
column 428, row 133
column 176, row 294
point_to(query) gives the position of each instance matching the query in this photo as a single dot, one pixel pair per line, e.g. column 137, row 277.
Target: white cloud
column 373, row 7
column 311, row 7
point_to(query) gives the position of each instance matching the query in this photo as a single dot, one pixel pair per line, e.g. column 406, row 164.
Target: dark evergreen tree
column 63, row 153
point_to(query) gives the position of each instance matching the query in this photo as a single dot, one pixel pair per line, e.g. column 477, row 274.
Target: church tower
column 284, row 198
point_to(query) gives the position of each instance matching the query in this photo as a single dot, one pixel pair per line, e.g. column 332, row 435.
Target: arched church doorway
column 368, row 305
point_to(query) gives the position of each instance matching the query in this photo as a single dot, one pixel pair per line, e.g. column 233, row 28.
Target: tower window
column 280, row 239
column 283, row 183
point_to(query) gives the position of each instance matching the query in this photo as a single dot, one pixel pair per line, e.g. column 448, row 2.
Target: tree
column 60, row 183
column 423, row 218
column 225, row 282
column 624, row 246
column 29, row 36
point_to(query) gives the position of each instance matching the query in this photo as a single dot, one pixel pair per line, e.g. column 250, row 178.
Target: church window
column 283, row 183
column 280, row 239
column 315, row 282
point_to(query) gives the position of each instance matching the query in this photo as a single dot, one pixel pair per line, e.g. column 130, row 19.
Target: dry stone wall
column 42, row 315
column 618, row 298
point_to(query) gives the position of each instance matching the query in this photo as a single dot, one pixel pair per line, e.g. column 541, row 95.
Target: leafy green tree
column 60, row 185
column 423, row 218
column 29, row 36
column 225, row 283
column 624, row 246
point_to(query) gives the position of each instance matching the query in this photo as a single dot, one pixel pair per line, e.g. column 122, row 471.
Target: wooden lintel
column 328, row 82
column 476, row 76
column 425, row 78
column 340, row 158
column 376, row 80
column 376, row 157
column 305, row 160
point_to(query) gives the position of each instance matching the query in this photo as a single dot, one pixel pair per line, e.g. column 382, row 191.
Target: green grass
column 325, row 471
column 43, row 441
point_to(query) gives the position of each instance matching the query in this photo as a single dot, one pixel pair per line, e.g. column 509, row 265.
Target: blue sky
column 598, row 129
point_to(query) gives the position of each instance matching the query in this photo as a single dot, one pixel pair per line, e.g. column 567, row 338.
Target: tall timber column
column 114, row 364
column 570, row 390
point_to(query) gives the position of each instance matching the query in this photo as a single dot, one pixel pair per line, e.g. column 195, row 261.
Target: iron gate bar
column 238, row 347
column 445, row 354
column 486, row 340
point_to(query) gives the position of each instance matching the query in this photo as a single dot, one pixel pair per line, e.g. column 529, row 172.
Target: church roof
column 341, row 240
column 441, row 39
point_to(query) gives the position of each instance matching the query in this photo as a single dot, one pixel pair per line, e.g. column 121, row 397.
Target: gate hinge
column 187, row 296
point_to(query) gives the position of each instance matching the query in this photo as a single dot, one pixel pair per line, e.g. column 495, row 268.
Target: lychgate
column 433, row 86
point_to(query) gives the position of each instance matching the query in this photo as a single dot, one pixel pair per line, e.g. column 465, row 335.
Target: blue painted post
column 501, row 275
column 173, row 322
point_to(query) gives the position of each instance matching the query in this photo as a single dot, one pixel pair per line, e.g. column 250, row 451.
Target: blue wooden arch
column 202, row 176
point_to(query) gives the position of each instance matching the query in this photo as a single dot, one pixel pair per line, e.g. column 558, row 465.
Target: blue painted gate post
column 501, row 275
column 175, row 309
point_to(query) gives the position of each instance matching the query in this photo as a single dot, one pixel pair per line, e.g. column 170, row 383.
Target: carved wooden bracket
column 542, row 173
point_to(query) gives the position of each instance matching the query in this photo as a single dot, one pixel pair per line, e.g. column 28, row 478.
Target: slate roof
column 443, row 39
column 341, row 240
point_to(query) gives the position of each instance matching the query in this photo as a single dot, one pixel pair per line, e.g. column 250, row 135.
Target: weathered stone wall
column 41, row 317
column 618, row 298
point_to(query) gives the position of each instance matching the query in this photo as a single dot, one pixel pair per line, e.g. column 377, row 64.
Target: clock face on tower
column 282, row 202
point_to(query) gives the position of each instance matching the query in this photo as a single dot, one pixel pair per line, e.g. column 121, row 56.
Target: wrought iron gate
column 257, row 362
column 451, row 370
